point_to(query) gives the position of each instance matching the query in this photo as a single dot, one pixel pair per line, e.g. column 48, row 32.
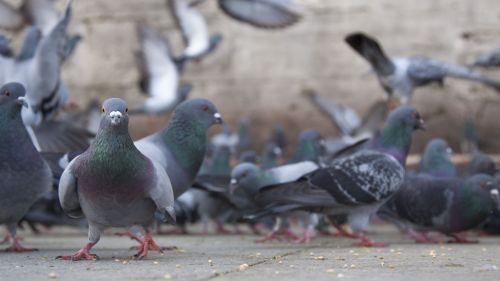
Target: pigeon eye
column 204, row 108
column 7, row 93
column 103, row 110
column 126, row 109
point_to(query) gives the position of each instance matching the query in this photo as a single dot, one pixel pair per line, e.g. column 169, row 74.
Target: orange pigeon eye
column 204, row 108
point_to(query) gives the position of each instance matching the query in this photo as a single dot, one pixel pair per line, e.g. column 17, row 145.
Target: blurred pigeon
column 193, row 26
column 247, row 180
column 225, row 138
column 31, row 41
column 436, row 160
column 160, row 75
column 244, row 141
column 480, row 163
column 269, row 14
column 10, row 18
column 309, row 147
column 401, row 75
column 490, row 59
column 450, row 206
column 355, row 185
column 24, row 175
column 180, row 147
column 114, row 185
column 278, row 137
column 492, row 224
column 271, row 156
column 248, row 156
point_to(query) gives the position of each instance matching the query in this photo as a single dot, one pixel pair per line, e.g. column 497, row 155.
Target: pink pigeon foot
column 83, row 254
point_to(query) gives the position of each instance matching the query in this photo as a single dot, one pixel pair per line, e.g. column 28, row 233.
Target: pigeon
column 446, row 205
column 193, row 26
column 401, row 75
column 355, row 185
column 490, row 59
column 480, row 163
column 160, row 74
column 268, row 14
column 309, row 147
column 24, row 175
column 436, row 160
column 180, row 147
column 278, row 137
column 244, row 141
column 248, row 156
column 114, row 185
column 225, row 138
column 246, row 181
column 271, row 156
column 492, row 224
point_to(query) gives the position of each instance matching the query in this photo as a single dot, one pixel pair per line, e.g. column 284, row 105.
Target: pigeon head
column 436, row 159
column 395, row 138
column 245, row 176
column 114, row 114
column 248, row 156
column 12, row 98
column 484, row 184
column 481, row 163
column 200, row 111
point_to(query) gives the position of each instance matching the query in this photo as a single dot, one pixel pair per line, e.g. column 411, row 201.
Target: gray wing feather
column 161, row 192
column 261, row 13
column 68, row 192
column 488, row 59
column 291, row 172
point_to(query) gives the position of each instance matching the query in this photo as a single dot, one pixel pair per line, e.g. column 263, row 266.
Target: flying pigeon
column 160, row 74
column 114, row 185
column 268, row 14
column 24, row 175
column 490, row 59
column 401, row 76
column 193, row 26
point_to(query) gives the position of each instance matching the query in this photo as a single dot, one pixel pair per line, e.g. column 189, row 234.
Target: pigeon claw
column 82, row 254
column 148, row 244
column 365, row 242
column 16, row 247
column 461, row 239
column 342, row 232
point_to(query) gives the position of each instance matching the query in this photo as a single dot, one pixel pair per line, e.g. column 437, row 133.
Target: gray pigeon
column 180, row 147
column 160, row 74
column 193, row 26
column 401, row 76
column 436, row 160
column 355, row 185
column 114, row 185
column 449, row 206
column 5, row 48
column 24, row 175
column 480, row 163
column 269, row 14
column 490, row 59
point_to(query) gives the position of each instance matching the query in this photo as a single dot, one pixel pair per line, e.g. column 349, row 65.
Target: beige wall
column 260, row 74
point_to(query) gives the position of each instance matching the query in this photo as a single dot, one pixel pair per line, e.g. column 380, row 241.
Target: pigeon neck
column 306, row 151
column 13, row 133
column 396, row 141
column 186, row 140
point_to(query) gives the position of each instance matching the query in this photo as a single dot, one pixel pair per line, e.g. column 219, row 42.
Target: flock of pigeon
column 55, row 172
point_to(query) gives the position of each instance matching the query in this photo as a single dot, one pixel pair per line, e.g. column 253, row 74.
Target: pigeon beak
column 421, row 125
column 495, row 194
column 22, row 101
column 116, row 117
column 170, row 215
column 218, row 118
column 233, row 185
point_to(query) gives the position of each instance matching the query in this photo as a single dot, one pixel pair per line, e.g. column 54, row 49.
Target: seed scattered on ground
column 52, row 275
column 243, row 267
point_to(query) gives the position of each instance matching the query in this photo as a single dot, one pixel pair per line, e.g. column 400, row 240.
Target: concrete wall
column 260, row 74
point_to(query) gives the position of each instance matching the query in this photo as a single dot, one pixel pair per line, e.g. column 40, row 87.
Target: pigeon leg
column 5, row 240
column 460, row 238
column 148, row 244
column 129, row 235
column 220, row 229
column 421, row 238
column 15, row 245
column 342, row 232
column 273, row 235
column 82, row 254
column 308, row 235
column 366, row 242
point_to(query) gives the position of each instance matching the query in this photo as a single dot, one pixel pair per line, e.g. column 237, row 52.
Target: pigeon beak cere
column 116, row 117
column 22, row 101
column 233, row 185
column 495, row 194
column 218, row 118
